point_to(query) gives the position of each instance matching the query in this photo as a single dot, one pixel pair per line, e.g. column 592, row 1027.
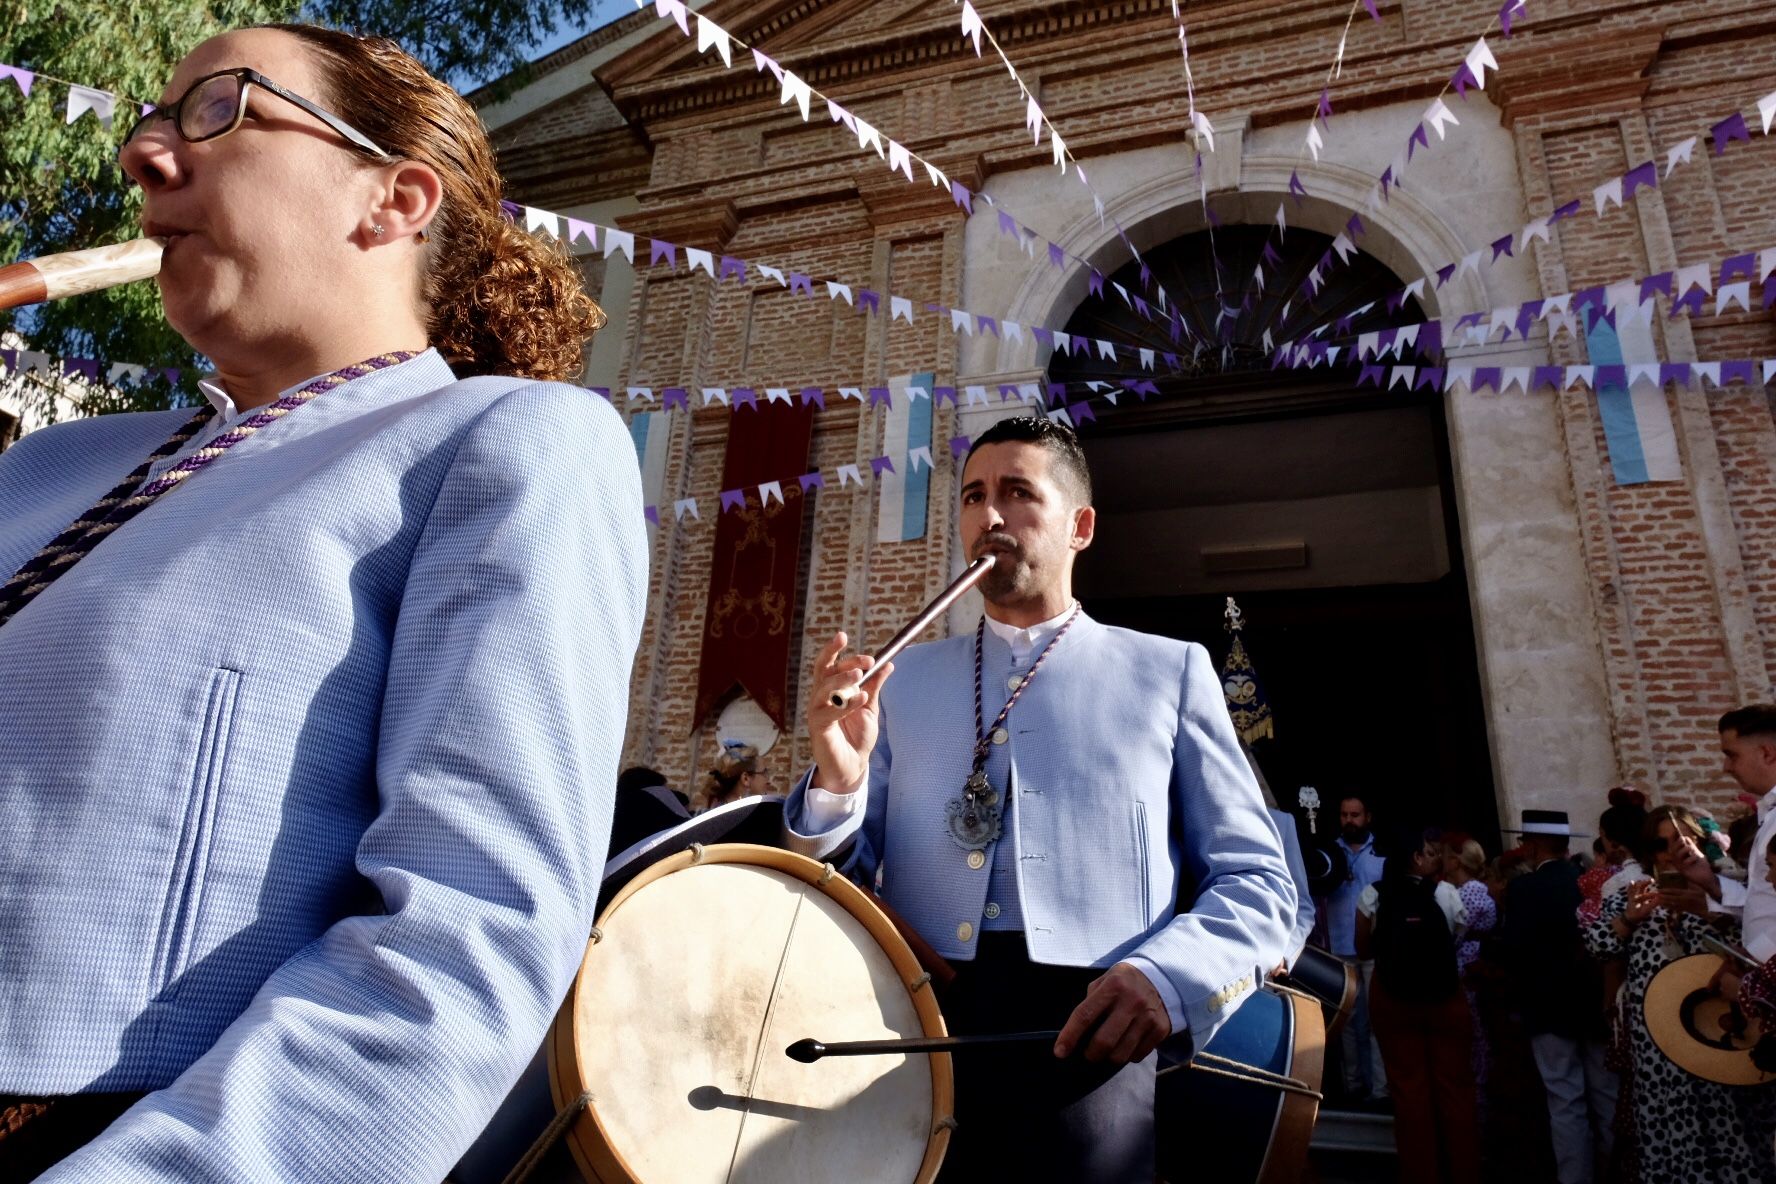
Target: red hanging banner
column 752, row 581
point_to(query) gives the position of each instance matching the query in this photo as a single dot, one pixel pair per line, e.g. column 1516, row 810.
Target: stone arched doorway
column 1328, row 511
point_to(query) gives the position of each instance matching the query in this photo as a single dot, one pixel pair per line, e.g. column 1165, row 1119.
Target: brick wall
column 1682, row 576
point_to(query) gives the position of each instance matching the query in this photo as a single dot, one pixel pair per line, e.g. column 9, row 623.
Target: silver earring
column 377, row 230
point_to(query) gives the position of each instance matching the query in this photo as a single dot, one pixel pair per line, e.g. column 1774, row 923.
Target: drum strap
column 1240, row 1071
column 521, row 1171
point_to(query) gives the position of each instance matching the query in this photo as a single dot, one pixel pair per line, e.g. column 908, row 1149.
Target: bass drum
column 704, row 968
column 1213, row 1127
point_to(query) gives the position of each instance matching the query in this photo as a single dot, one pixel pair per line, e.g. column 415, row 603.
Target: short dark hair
column 1057, row 439
column 1622, row 823
column 1754, row 719
column 1355, row 796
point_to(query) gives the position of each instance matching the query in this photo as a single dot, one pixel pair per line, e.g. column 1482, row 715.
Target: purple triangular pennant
column 1095, row 282
column 1372, row 376
column 1296, row 188
column 1742, row 371
column 1551, row 377
column 1737, row 267
column 1640, row 177
column 1729, row 129
column 880, row 465
column 941, row 395
column 1569, row 210
column 1655, row 283
column 651, row 513
column 1462, row 80
column 1418, row 139
column 730, row 266
column 1082, row 412
column 960, row 195
column 1429, row 376
column 881, row 395
column 814, row 395
column 675, row 396
column 1057, row 256
column 744, row 396
column 511, row 211
column 868, row 301
column 1443, row 274
column 958, row 445
column 733, row 499
column 811, row 481
column 1502, row 246
column 1485, row 378
column 661, row 249
column 800, row 283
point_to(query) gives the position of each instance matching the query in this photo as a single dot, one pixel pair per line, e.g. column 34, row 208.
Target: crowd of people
column 1502, row 1011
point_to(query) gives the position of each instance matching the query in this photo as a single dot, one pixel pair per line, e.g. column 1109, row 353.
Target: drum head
column 708, row 966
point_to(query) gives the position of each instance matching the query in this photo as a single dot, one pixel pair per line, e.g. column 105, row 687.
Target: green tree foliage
column 61, row 188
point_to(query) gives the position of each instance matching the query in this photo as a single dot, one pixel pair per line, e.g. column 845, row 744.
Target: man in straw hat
column 1557, row 988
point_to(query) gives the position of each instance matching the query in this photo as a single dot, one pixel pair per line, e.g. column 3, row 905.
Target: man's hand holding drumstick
column 843, row 737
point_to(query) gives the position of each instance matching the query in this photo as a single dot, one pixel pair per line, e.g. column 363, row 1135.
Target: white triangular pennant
column 1767, row 110
column 715, row 394
column 769, row 490
column 711, row 34
column 82, row 99
column 641, row 394
column 961, row 322
column 1478, row 60
column 685, row 506
column 1731, row 294
column 848, row 475
column 536, row 220
column 920, row 454
column 972, row 26
column 771, row 273
column 838, row 291
column 619, row 240
column 1608, row 193
column 778, row 394
column 900, row 158
column 1439, row 114
column 1679, row 154
column 900, row 306
column 794, row 88
column 696, row 257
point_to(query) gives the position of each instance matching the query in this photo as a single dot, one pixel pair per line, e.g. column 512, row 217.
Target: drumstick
column 811, row 1050
column 971, row 575
column 51, row 277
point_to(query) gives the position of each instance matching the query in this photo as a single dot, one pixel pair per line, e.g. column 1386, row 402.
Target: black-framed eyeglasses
column 215, row 104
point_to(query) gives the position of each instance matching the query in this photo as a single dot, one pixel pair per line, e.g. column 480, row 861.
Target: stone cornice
column 1555, row 79
column 698, row 221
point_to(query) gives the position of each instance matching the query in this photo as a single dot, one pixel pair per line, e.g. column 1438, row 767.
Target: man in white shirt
column 1748, row 744
column 1364, row 1078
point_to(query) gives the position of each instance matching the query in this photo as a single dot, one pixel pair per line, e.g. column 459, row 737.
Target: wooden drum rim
column 593, row 1152
column 1286, row 1155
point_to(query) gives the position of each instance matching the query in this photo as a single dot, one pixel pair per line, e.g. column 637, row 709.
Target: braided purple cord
column 94, row 526
column 985, row 738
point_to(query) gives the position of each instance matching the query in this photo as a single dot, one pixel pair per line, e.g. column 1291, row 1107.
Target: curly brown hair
column 499, row 300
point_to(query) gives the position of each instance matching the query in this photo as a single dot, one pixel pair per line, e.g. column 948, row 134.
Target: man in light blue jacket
column 1037, row 797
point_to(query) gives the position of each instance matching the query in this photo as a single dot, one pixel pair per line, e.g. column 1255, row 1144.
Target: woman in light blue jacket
column 311, row 701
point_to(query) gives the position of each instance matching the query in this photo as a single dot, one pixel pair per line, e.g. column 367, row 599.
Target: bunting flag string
column 1312, row 142
column 661, row 252
column 900, row 158
column 973, row 29
column 1471, row 73
column 1688, row 292
column 81, row 99
column 1074, row 408
column 1613, row 193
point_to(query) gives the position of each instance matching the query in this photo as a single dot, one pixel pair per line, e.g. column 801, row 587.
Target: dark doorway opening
column 1326, row 511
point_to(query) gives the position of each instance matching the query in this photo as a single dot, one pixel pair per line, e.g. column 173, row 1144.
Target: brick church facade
column 1452, row 598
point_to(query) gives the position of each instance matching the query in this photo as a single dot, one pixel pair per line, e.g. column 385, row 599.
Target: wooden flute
column 971, row 575
column 51, row 277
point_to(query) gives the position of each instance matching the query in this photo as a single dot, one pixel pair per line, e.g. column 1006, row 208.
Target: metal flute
column 971, row 575
column 51, row 277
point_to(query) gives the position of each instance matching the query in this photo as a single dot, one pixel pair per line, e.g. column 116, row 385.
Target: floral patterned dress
column 1482, row 920
column 1686, row 1130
